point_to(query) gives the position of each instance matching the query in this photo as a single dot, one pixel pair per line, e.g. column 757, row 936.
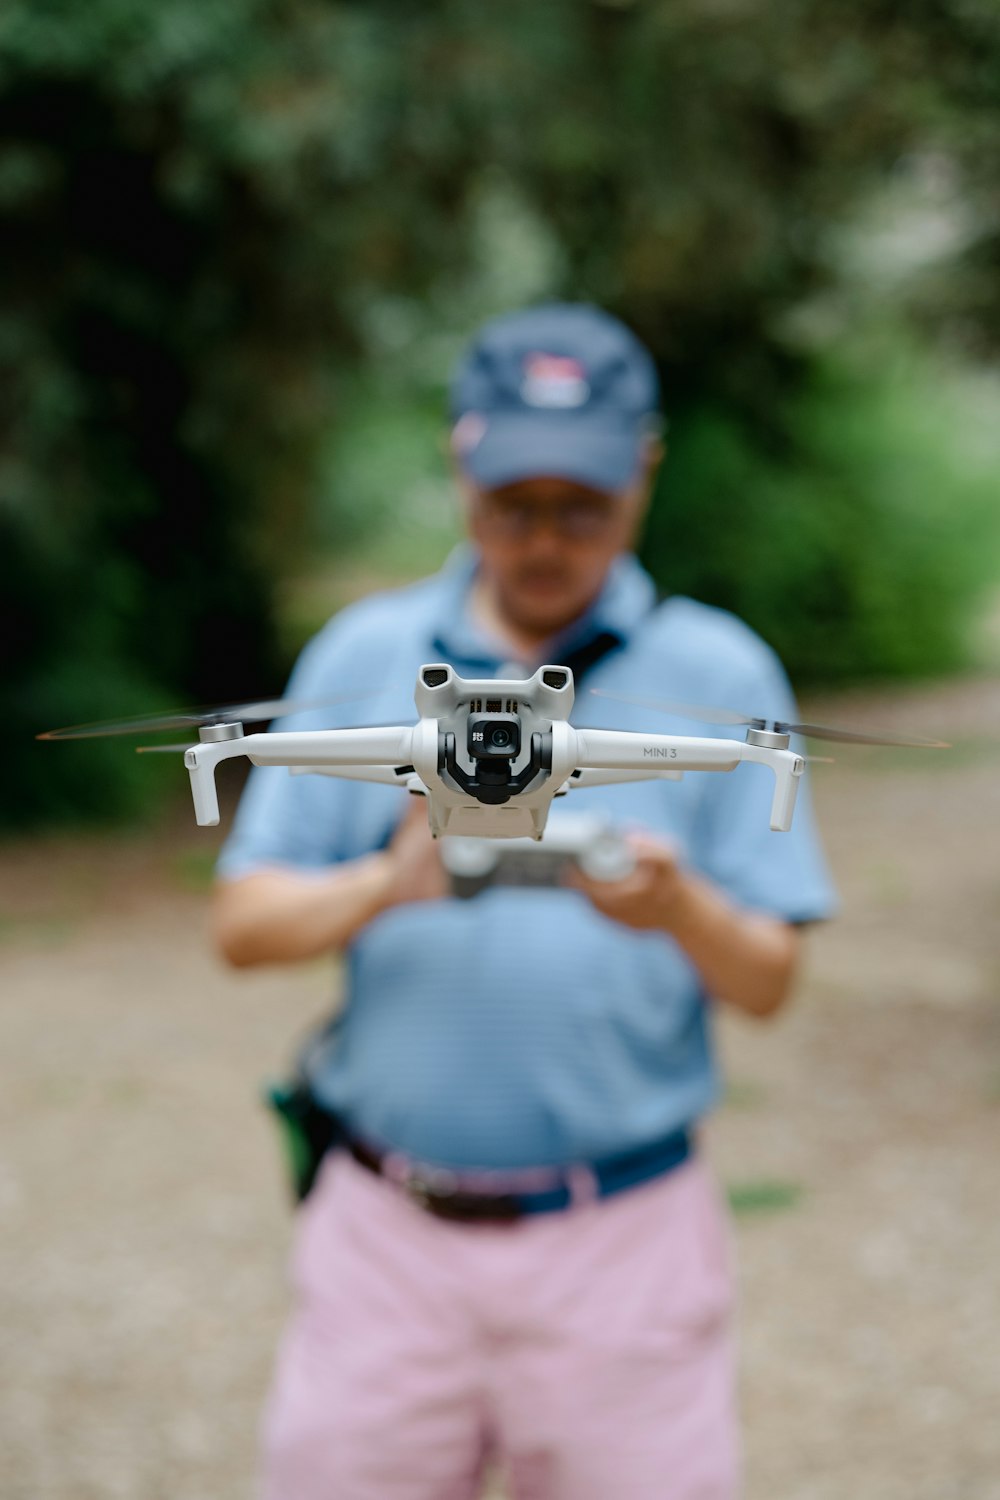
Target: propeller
column 198, row 718
column 727, row 716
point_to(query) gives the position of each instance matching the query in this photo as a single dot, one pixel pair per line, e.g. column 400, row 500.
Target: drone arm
column 331, row 747
column 322, row 748
column 385, row 775
column 595, row 777
column 626, row 750
column 621, row 749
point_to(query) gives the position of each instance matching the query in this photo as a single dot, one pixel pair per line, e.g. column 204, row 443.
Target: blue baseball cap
column 562, row 390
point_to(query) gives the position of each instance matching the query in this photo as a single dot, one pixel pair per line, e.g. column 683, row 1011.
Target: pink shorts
column 589, row 1351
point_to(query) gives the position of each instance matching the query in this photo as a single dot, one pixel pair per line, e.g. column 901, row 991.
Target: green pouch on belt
column 308, row 1131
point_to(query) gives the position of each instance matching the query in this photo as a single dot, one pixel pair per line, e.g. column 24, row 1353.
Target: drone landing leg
column 786, row 787
column 206, row 800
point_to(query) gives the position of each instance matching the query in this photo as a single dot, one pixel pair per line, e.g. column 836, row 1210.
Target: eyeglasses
column 576, row 520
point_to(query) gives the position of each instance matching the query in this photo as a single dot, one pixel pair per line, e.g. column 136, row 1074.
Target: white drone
column 489, row 754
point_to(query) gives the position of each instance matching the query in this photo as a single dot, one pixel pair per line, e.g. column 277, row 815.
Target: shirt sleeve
column 784, row 874
column 297, row 821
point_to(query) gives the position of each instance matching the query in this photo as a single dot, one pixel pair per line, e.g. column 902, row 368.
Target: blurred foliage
column 229, row 224
column 865, row 544
column 763, row 1197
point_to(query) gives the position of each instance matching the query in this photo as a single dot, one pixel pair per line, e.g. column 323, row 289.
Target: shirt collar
column 627, row 596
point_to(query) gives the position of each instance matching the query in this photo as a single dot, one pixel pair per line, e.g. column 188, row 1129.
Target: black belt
column 442, row 1192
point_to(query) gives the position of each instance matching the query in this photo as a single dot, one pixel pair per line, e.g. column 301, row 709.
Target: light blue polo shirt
column 522, row 1027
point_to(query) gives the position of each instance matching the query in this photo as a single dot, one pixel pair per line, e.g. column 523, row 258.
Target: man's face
column 546, row 545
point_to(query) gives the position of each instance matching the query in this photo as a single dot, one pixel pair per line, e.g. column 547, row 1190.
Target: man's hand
column 283, row 915
column 646, row 897
column 414, row 868
column 745, row 957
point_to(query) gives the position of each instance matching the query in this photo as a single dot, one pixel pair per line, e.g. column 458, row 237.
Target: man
column 523, row 1251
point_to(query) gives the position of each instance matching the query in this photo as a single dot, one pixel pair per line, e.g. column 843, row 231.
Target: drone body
column 491, row 754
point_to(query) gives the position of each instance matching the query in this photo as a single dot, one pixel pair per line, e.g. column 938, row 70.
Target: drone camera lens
column 498, row 736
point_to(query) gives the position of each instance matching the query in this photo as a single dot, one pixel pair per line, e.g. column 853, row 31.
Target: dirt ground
column 145, row 1222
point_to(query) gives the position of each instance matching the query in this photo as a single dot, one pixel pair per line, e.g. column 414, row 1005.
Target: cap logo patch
column 554, row 380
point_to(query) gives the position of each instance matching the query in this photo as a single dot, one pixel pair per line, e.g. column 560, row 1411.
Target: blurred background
column 242, row 246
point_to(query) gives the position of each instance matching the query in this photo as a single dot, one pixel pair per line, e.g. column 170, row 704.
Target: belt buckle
column 438, row 1191
column 417, row 1189
column 429, row 1186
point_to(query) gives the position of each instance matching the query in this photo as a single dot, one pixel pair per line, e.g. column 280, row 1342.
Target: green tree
column 212, row 210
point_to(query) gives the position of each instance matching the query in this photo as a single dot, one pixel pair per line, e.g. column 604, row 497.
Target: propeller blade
column 705, row 715
column 728, row 716
column 194, row 718
column 861, row 737
column 161, row 749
